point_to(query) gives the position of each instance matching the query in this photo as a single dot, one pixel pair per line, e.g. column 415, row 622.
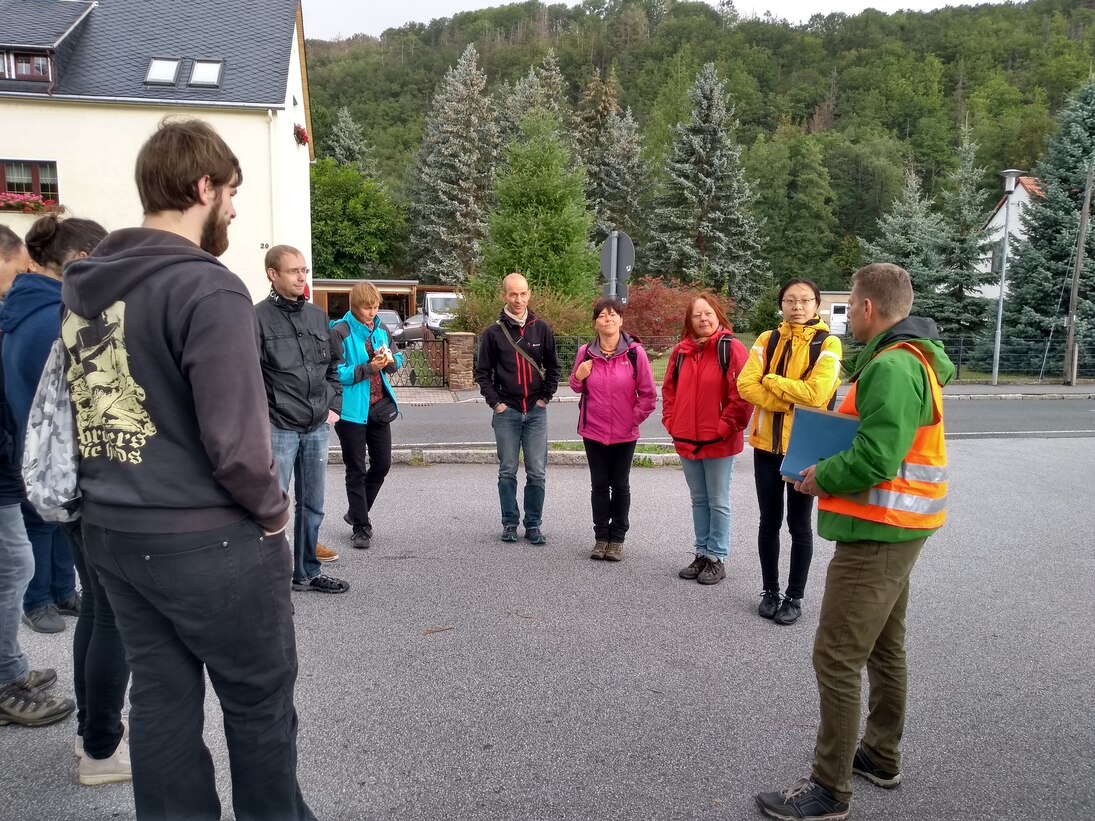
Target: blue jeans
column 709, row 486
column 303, row 457
column 16, row 569
column 214, row 602
column 54, row 579
column 515, row 432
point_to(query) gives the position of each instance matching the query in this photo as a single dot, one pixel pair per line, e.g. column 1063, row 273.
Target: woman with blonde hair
column 368, row 406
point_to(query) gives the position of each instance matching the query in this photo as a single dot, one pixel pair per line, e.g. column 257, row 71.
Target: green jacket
column 893, row 399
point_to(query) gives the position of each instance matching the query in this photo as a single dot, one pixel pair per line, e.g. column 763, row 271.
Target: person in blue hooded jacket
column 31, row 322
column 368, row 406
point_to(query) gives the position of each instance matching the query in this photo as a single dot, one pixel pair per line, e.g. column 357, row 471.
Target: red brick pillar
column 461, row 375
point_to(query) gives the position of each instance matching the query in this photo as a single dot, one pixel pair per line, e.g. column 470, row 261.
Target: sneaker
column 805, row 800
column 30, row 707
column 769, row 604
column 349, row 520
column 78, row 747
column 534, row 535
column 361, row 539
column 598, row 551
column 41, row 679
column 70, row 607
column 614, row 552
column 509, row 533
column 789, row 611
column 693, row 570
column 713, row 573
column 107, row 770
column 862, row 765
column 325, row 554
column 44, row 619
column 322, row 584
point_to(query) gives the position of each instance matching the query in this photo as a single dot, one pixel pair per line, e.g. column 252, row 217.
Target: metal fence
column 425, row 365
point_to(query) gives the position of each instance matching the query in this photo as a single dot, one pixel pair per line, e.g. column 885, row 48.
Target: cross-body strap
column 539, row 368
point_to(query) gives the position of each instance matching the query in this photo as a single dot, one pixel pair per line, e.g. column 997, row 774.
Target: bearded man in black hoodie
column 183, row 514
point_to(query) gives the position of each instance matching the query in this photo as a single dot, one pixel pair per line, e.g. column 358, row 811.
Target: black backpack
column 815, row 352
column 724, row 357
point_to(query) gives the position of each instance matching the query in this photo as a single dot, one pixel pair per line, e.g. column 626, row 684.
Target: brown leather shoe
column 598, row 551
column 614, row 552
column 325, row 554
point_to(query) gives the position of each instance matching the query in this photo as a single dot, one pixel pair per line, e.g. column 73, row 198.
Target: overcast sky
column 328, row 19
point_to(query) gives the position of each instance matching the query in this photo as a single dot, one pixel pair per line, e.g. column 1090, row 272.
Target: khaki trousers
column 862, row 624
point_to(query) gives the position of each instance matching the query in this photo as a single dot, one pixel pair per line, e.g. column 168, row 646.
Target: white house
column 1025, row 188
column 83, row 85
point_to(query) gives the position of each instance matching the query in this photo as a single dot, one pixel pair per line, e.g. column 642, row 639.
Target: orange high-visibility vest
column 916, row 497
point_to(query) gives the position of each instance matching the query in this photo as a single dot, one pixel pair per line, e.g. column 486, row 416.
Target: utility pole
column 1072, row 352
column 1010, row 176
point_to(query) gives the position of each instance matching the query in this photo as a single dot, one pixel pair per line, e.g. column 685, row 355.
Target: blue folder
column 816, row 435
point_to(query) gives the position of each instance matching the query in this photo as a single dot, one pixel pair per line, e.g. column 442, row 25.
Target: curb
column 424, row 457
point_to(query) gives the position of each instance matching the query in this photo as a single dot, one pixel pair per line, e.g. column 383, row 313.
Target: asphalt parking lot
column 461, row 678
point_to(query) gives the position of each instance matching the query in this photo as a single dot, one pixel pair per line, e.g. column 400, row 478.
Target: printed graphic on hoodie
column 110, row 413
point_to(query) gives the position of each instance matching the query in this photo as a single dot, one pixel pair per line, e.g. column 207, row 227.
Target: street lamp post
column 1010, row 176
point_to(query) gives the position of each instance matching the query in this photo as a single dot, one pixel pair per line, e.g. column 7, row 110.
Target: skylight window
column 207, row 73
column 162, row 71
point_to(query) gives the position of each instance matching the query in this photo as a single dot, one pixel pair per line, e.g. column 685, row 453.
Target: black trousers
column 610, row 491
column 214, row 602
column 100, row 671
column 364, row 476
column 770, row 494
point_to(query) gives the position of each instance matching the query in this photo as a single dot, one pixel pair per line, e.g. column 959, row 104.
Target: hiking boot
column 509, row 533
column 614, row 552
column 693, row 570
column 41, row 679
column 325, row 554
column 769, row 604
column 789, row 611
column 713, row 573
column 534, row 535
column 44, row 619
column 107, row 770
column 322, row 584
column 70, row 607
column 862, row 765
column 361, row 539
column 805, row 800
column 30, row 707
column 598, row 551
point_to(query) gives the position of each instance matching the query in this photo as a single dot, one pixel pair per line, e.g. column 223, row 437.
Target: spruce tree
column 1039, row 276
column 451, row 183
column 347, row 145
column 541, row 224
column 965, row 244
column 910, row 235
column 702, row 225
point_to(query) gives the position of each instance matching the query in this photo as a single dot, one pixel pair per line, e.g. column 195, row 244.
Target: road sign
column 617, row 263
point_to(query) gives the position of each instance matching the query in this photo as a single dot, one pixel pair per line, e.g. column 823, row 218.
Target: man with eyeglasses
column 300, row 369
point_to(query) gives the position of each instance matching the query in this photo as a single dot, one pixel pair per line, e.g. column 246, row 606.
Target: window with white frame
column 29, row 177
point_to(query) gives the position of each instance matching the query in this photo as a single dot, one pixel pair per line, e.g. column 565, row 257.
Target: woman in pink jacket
column 616, row 384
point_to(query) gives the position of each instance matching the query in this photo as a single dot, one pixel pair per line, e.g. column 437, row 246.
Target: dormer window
column 31, row 67
column 162, row 71
column 207, row 73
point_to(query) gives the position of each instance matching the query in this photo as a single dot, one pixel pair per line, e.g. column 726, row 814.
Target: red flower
column 301, row 134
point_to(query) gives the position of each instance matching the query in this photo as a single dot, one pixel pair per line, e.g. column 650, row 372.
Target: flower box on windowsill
column 300, row 134
column 27, row 203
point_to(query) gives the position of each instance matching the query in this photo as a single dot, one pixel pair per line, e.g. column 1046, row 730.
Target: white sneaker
column 78, row 747
column 107, row 770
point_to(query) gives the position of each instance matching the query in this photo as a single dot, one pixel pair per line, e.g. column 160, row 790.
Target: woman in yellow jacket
column 802, row 367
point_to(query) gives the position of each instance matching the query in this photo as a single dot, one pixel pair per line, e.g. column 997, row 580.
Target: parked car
column 390, row 320
column 413, row 331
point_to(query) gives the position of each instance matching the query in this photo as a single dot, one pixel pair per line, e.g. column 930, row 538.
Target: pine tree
column 1040, row 277
column 541, row 224
column 910, row 235
column 451, row 183
column 965, row 244
column 347, row 145
column 610, row 148
column 702, row 226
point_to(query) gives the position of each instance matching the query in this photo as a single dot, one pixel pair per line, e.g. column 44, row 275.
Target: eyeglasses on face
column 304, row 271
column 797, row 303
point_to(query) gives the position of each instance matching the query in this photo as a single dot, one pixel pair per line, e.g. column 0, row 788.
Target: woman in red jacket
column 702, row 411
column 616, row 384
